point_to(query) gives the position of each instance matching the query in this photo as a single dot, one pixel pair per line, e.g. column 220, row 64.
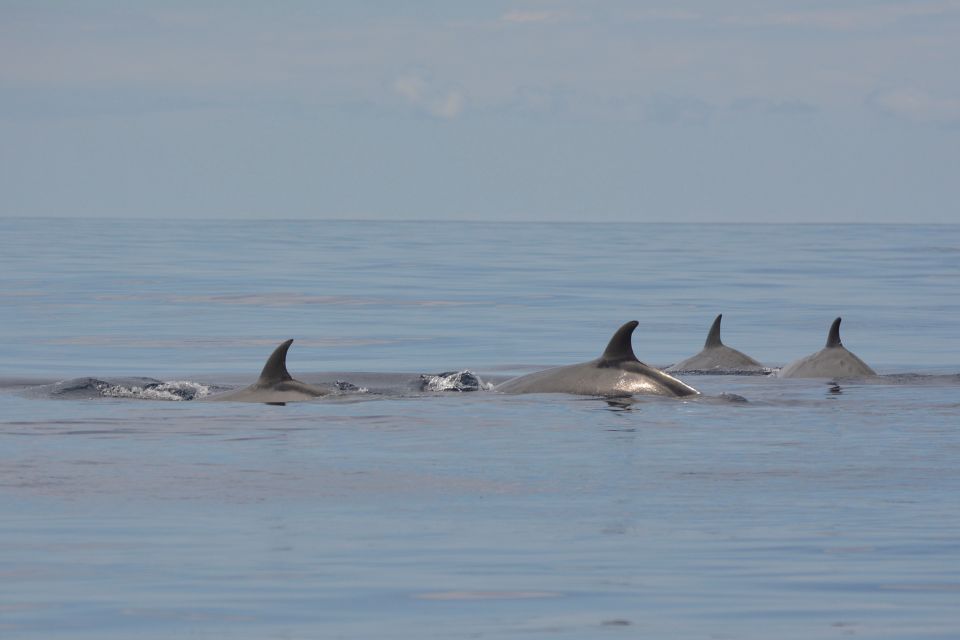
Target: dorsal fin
column 833, row 338
column 276, row 368
column 713, row 338
column 620, row 347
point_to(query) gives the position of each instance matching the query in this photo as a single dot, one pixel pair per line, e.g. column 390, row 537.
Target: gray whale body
column 717, row 357
column 833, row 361
column 617, row 372
column 275, row 384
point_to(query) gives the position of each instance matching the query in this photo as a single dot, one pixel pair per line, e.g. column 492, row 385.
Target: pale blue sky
column 738, row 111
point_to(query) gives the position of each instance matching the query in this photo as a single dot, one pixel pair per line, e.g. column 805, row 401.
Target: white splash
column 176, row 391
column 454, row 381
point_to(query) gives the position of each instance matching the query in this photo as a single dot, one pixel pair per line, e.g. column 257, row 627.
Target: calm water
column 811, row 511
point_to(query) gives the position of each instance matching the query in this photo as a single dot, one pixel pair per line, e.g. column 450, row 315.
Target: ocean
column 815, row 509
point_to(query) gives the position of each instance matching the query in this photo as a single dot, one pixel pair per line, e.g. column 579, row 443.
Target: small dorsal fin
column 833, row 338
column 713, row 338
column 276, row 368
column 620, row 347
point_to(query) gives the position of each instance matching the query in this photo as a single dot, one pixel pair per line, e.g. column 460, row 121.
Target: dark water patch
column 733, row 398
column 98, row 432
column 725, row 372
column 616, row 623
column 920, row 379
column 16, row 383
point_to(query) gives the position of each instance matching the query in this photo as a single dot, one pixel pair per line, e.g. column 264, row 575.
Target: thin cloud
column 682, row 110
column 538, row 100
column 410, row 87
column 664, row 15
column 449, row 106
column 848, row 19
column 773, row 107
column 917, row 106
column 533, row 17
column 416, row 91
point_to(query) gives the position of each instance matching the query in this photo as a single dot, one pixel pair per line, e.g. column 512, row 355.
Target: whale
column 717, row 357
column 616, row 373
column 833, row 361
column 275, row 384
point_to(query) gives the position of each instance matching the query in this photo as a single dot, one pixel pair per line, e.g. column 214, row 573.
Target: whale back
column 717, row 357
column 833, row 361
column 275, row 384
column 617, row 372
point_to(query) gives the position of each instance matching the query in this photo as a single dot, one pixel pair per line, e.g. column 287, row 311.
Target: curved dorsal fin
column 833, row 338
column 620, row 347
column 276, row 368
column 713, row 338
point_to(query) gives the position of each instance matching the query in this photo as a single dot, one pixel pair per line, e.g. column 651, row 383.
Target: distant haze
column 576, row 110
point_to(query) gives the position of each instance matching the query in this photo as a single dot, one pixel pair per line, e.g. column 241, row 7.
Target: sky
column 565, row 110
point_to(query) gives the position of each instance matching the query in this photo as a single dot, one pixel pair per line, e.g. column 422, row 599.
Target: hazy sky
column 843, row 110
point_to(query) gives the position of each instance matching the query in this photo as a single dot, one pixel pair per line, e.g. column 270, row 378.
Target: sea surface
column 131, row 508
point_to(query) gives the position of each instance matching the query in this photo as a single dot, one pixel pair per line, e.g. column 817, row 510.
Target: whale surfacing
column 275, row 384
column 717, row 357
column 833, row 361
column 617, row 372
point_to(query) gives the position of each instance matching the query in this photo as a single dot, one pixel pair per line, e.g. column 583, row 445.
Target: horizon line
column 469, row 221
